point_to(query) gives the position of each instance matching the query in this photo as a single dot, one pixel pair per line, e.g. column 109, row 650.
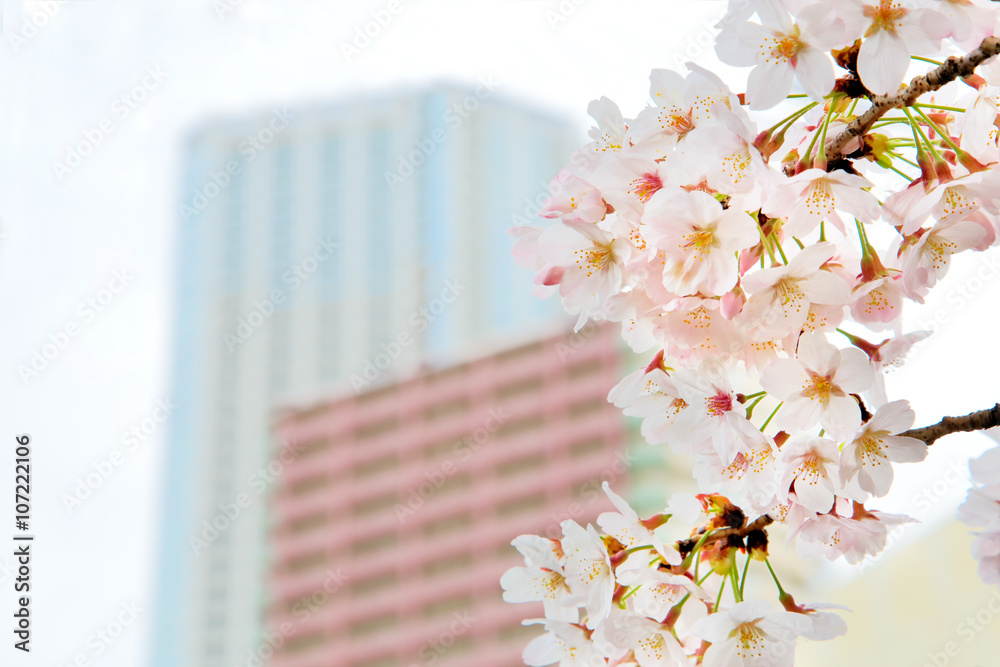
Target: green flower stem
column 788, row 120
column 752, row 406
column 944, row 135
column 718, row 600
column 938, row 106
column 915, row 126
column 736, row 583
column 746, row 568
column 781, row 591
column 767, row 246
column 768, row 420
column 777, row 244
column 812, row 144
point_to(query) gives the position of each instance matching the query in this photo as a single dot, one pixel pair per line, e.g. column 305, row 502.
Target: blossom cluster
column 625, row 597
column 764, row 267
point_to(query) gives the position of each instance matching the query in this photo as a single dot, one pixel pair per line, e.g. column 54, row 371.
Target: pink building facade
column 393, row 516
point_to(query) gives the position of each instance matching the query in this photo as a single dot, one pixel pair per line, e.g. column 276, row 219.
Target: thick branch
column 977, row 421
column 954, row 68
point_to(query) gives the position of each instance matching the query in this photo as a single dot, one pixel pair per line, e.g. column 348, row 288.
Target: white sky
column 61, row 242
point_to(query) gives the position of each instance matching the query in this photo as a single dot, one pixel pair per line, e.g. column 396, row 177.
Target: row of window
column 392, row 461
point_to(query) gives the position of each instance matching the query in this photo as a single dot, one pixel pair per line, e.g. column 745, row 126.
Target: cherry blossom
column 542, row 579
column 783, row 50
column 814, row 196
column 588, row 570
column 699, row 238
column 893, row 30
column 625, row 526
column 781, row 296
column 751, row 633
column 817, row 385
column 870, row 453
column 810, row 466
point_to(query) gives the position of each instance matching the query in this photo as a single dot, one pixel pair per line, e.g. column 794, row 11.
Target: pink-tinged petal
column 841, row 417
column 664, row 86
column 813, row 494
column 750, row 610
column 620, row 503
column 714, row 628
column 769, row 84
column 811, row 258
column 963, row 235
column 740, row 51
column 894, row 417
column 860, row 203
column 540, row 651
column 549, row 276
column 876, row 479
column 818, row 354
column 855, row 373
column 905, row 450
column 784, row 378
column 826, row 288
column 849, row 464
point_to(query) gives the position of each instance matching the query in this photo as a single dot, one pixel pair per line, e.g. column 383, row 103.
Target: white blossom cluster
column 764, row 274
column 626, row 598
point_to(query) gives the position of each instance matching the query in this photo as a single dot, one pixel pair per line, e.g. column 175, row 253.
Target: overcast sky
column 103, row 229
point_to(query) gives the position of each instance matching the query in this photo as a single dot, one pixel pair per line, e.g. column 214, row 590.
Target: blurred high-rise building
column 338, row 246
column 396, row 508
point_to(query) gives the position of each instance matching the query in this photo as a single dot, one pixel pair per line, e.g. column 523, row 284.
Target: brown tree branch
column 977, row 421
column 954, row 68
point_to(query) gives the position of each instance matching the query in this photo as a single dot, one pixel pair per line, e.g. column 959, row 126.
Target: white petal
column 769, row 84
column 815, row 72
column 882, row 62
